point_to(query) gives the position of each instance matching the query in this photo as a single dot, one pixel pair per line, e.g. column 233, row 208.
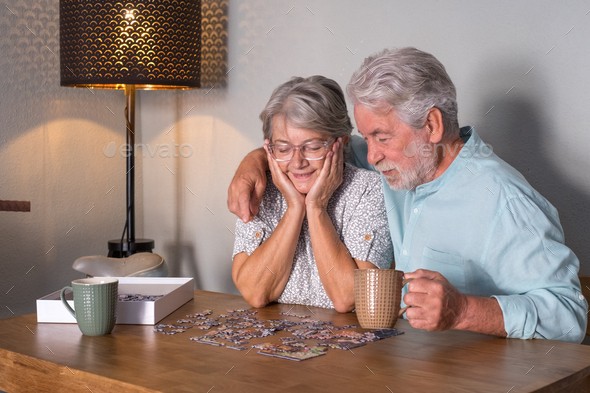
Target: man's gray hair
column 316, row 103
column 409, row 81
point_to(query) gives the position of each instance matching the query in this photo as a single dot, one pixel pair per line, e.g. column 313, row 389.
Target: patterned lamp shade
column 150, row 44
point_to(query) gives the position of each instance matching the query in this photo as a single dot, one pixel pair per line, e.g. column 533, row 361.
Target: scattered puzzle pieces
column 290, row 350
column 210, row 341
column 240, row 326
column 236, row 347
column 342, row 343
column 201, row 315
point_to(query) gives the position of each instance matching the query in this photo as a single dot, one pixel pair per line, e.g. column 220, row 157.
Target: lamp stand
column 121, row 248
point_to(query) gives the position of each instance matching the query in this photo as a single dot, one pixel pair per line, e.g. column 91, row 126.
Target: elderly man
column 485, row 250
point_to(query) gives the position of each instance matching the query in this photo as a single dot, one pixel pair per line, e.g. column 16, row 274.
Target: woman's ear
column 345, row 139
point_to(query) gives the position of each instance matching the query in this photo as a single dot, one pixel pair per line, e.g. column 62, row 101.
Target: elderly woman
column 319, row 219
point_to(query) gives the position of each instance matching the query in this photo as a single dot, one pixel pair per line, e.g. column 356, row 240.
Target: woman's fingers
column 336, row 163
column 283, row 183
column 331, row 161
column 328, row 165
column 329, row 180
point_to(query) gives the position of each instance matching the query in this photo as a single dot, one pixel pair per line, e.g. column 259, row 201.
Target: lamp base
column 127, row 249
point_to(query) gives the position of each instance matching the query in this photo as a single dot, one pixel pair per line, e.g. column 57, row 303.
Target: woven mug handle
column 403, row 310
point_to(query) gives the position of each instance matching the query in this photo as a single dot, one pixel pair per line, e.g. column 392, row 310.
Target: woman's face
column 302, row 173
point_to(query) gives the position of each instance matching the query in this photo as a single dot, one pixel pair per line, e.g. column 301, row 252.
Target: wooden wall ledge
column 15, row 206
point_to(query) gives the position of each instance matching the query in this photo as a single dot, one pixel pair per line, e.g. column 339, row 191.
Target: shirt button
column 416, row 210
column 367, row 237
column 405, row 252
column 581, row 297
column 258, row 234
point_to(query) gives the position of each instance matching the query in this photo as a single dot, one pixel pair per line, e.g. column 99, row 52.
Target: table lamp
column 130, row 45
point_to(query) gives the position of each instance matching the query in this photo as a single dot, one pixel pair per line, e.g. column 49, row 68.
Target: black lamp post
column 130, row 45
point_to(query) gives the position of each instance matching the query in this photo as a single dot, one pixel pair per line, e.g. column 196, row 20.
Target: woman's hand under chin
column 294, row 198
column 329, row 179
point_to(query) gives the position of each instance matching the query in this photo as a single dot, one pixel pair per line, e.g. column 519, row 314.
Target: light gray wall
column 51, row 139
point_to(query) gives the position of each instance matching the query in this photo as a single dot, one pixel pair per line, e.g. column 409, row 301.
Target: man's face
column 396, row 149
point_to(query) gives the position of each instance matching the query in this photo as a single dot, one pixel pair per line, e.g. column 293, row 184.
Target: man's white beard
column 422, row 172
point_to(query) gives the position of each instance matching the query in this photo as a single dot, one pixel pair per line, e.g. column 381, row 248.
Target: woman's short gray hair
column 316, row 103
column 409, row 81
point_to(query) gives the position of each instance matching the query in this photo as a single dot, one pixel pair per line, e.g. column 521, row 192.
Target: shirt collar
column 472, row 143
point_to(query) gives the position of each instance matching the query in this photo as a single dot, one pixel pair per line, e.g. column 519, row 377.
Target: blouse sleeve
column 251, row 235
column 367, row 236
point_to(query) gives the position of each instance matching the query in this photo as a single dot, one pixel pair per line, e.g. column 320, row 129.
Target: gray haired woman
column 319, row 219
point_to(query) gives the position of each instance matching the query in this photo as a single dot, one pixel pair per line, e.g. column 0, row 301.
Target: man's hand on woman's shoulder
column 248, row 185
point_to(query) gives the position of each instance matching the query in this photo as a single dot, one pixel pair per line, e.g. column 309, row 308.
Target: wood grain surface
column 57, row 357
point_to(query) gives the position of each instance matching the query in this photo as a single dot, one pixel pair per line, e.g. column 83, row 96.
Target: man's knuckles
column 244, row 200
column 423, row 285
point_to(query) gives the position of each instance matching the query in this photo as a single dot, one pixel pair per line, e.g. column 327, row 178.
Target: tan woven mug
column 378, row 296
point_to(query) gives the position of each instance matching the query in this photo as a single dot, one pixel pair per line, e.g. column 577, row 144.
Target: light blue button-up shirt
column 482, row 226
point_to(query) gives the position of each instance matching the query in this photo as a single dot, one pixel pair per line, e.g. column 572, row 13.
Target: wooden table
column 57, row 357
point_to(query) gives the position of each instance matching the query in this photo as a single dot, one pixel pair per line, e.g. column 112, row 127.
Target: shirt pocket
column 449, row 265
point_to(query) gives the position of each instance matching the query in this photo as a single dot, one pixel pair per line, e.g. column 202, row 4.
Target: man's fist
column 435, row 303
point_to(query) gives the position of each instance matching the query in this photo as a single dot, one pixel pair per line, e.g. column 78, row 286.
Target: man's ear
column 434, row 125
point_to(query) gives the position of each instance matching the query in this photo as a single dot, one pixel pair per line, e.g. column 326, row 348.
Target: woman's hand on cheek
column 329, row 179
column 294, row 198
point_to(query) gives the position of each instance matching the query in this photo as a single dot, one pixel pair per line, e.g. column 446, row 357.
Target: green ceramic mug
column 95, row 303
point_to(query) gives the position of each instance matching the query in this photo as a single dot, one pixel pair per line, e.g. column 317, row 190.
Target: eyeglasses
column 311, row 151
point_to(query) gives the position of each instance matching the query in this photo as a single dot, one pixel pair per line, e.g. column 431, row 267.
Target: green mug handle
column 62, row 296
column 403, row 310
